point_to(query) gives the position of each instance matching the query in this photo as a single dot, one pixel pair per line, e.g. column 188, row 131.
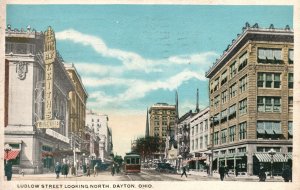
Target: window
column 223, row 136
column 201, row 142
column 231, row 133
column 224, row 116
column 196, row 147
column 268, row 80
column 224, row 77
column 231, row 151
column 216, row 101
column 216, row 84
column 290, row 129
column 216, row 119
column 232, row 111
column 243, row 84
column 224, row 96
column 268, row 104
column 291, row 80
column 291, row 56
column 206, row 124
column 243, row 130
column 201, row 127
column 205, row 141
column 243, row 106
column 232, row 70
column 269, row 56
column 193, row 145
column 211, row 87
column 232, row 90
column 242, row 149
column 243, row 61
column 192, row 130
column 216, row 138
column 197, row 129
column 290, row 104
column 266, row 128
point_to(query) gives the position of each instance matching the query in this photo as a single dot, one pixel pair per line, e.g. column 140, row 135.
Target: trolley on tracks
column 132, row 163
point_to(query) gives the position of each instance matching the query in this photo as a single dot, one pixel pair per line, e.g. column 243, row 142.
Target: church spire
column 147, row 125
column 197, row 102
column 176, row 100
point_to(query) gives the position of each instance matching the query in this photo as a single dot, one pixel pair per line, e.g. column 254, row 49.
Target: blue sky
column 132, row 56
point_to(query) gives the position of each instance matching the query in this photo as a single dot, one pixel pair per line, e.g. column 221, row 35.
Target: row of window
column 231, row 134
column 265, row 56
column 199, row 143
column 203, row 126
column 243, row 83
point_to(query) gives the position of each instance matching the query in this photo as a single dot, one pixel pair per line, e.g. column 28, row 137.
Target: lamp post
column 212, row 120
column 7, row 148
column 272, row 152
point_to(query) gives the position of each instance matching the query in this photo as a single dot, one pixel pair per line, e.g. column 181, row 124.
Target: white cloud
column 99, row 69
column 132, row 60
column 138, row 88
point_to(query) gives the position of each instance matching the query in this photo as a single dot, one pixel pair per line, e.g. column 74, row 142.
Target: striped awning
column 289, row 156
column 265, row 157
column 269, row 131
column 260, row 131
column 11, row 155
column 291, row 132
column 278, row 131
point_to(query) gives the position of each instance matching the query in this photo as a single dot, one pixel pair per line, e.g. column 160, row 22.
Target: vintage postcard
column 156, row 95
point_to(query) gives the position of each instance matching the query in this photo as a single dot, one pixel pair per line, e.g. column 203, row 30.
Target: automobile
column 165, row 167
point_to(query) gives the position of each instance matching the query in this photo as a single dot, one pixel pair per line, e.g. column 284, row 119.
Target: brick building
column 251, row 100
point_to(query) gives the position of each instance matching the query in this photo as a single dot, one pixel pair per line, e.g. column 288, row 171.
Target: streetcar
column 132, row 163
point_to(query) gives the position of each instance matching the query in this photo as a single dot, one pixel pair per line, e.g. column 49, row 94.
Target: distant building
column 37, row 87
column 100, row 124
column 162, row 119
column 251, row 100
column 199, row 139
column 78, row 132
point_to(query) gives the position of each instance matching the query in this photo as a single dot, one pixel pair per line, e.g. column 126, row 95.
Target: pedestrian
column 66, row 169
column 88, row 171
column 262, row 174
column 73, row 170
column 22, row 172
column 96, row 169
column 57, row 169
column 226, row 171
column 236, row 171
column 222, row 172
column 113, row 169
column 287, row 174
column 183, row 171
column 8, row 170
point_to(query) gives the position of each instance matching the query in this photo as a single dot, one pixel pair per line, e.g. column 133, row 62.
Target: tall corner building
column 162, row 115
column 251, row 101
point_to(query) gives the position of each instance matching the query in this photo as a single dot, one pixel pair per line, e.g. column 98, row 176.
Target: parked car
column 165, row 167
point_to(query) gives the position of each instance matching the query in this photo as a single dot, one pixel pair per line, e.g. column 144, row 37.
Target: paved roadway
column 145, row 175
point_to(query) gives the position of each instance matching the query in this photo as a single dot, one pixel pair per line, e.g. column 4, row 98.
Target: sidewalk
column 236, row 178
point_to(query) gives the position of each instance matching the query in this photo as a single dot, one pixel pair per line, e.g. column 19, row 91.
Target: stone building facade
column 162, row 123
column 251, row 100
column 37, row 119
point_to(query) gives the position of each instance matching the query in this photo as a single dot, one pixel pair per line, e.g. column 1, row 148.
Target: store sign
column 57, row 135
column 49, row 58
column 46, row 124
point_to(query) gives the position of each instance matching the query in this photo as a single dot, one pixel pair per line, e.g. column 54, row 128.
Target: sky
column 130, row 57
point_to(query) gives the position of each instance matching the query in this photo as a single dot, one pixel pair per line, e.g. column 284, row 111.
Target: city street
column 145, row 175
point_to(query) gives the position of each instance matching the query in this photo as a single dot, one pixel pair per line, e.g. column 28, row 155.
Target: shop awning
column 291, row 132
column 11, row 155
column 278, row 131
column 265, row 157
column 260, row 131
column 269, row 131
column 289, row 156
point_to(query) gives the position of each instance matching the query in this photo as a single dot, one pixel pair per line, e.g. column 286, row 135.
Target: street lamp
column 7, row 148
column 272, row 152
column 212, row 120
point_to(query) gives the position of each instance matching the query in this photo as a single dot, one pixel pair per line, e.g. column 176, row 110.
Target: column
column 249, row 164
